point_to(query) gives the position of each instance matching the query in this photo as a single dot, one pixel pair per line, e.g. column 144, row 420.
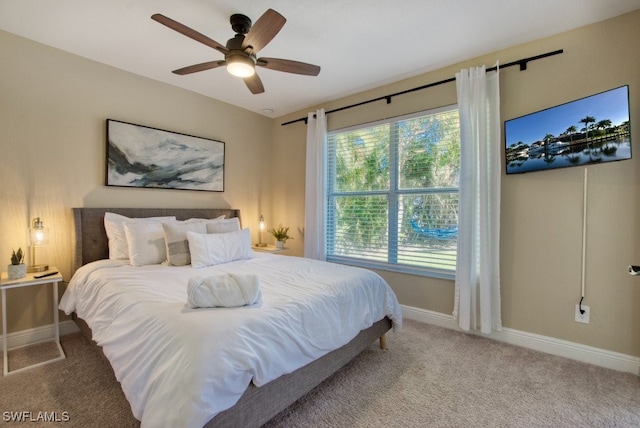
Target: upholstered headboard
column 90, row 238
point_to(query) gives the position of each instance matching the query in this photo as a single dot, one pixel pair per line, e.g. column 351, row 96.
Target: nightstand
column 270, row 249
column 27, row 281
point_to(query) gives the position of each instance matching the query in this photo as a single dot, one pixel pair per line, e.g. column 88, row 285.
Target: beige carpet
column 429, row 377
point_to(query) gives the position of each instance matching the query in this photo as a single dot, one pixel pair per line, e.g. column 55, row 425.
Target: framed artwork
column 141, row 156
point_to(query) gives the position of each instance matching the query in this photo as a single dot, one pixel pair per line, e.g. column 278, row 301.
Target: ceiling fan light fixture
column 240, row 52
column 240, row 66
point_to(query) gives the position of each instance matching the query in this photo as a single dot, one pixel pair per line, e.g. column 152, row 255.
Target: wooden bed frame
column 258, row 404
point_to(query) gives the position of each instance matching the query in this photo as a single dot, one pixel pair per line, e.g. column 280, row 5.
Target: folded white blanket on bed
column 223, row 290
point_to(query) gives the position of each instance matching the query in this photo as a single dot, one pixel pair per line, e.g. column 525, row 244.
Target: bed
column 103, row 307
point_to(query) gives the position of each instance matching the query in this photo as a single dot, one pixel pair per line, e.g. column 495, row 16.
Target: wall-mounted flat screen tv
column 587, row 131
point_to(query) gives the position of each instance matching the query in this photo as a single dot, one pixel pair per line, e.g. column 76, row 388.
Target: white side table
column 27, row 281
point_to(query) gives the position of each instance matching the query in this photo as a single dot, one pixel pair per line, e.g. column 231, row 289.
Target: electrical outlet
column 583, row 318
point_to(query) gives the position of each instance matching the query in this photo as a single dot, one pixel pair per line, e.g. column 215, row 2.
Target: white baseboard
column 549, row 345
column 38, row 334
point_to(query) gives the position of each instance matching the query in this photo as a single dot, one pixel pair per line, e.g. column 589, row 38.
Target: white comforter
column 180, row 366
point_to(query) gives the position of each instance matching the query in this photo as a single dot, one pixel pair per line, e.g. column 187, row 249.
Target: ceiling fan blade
column 289, row 66
column 199, row 67
column 189, row 32
column 264, row 30
column 254, row 84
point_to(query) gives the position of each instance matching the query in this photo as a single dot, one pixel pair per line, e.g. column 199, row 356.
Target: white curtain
column 314, row 232
column 477, row 285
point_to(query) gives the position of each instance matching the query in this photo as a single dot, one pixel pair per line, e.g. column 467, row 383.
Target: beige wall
column 52, row 147
column 541, row 243
column 53, row 108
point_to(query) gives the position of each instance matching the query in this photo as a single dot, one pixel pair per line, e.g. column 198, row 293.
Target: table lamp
column 262, row 226
column 38, row 236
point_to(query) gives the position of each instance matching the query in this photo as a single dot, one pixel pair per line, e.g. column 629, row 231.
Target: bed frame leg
column 383, row 342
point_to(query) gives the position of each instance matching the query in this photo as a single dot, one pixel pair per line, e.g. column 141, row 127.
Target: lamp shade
column 38, row 234
column 261, row 228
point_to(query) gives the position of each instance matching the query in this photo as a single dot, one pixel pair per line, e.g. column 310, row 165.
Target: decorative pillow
column 203, row 220
column 114, row 226
column 215, row 248
column 175, row 236
column 146, row 242
column 224, row 225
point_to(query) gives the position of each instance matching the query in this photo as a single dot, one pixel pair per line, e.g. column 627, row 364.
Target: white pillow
column 146, row 242
column 215, row 248
column 114, row 226
column 175, row 236
column 223, row 225
column 203, row 220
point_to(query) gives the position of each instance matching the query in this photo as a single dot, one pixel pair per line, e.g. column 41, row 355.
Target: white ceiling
column 360, row 44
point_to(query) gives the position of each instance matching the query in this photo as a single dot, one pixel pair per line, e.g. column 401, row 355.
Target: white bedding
column 180, row 366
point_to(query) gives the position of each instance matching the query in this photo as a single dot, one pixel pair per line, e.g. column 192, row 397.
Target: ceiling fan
column 241, row 50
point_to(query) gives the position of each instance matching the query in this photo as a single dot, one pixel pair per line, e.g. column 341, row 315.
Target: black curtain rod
column 521, row 62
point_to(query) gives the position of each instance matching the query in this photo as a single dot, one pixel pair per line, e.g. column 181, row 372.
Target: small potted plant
column 281, row 234
column 17, row 269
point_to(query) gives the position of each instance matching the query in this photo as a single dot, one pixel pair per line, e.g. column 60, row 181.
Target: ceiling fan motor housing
column 234, row 46
column 240, row 62
column 235, row 43
column 240, row 56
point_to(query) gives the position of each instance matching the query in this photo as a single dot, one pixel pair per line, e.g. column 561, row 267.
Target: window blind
column 392, row 195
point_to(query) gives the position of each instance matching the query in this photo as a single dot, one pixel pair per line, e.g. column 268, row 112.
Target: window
column 392, row 193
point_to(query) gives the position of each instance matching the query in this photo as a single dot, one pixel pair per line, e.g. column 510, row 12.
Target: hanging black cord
column 521, row 62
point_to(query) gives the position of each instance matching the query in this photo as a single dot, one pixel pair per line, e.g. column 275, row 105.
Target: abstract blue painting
column 141, row 156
